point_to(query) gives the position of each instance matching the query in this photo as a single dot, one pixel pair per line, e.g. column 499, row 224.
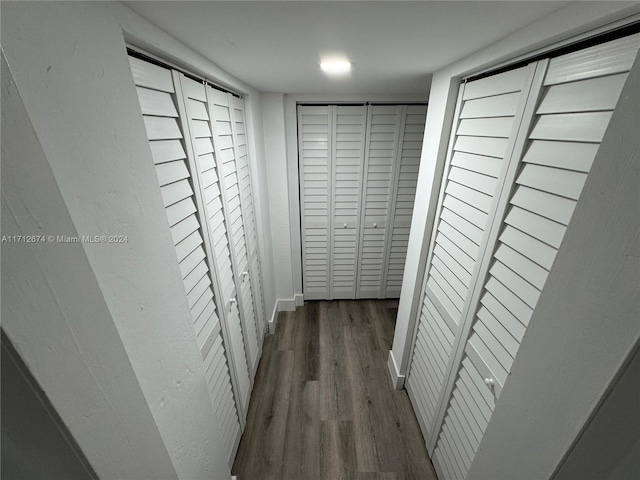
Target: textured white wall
column 104, row 328
column 276, row 161
column 56, row 316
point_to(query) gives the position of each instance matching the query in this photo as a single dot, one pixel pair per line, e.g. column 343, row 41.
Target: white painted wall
column 276, row 161
column 573, row 20
column 585, row 324
column 56, row 316
column 105, row 329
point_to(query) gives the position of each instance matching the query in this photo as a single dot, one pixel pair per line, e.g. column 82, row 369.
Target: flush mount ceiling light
column 336, row 67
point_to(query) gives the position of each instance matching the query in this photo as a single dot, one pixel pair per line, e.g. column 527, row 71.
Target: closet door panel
column 486, row 125
column 207, row 171
column 383, row 142
column 347, row 163
column 553, row 169
column 159, row 99
column 406, row 179
column 244, row 177
column 314, row 138
column 225, row 152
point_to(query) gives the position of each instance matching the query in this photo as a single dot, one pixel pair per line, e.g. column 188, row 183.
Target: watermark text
column 64, row 239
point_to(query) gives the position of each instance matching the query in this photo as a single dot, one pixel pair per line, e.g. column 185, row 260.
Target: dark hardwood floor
column 322, row 407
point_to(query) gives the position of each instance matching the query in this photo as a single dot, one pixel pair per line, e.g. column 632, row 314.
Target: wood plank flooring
column 322, row 407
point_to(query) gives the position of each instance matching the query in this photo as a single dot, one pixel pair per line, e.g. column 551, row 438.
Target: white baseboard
column 274, row 319
column 286, row 305
column 299, row 298
column 397, row 380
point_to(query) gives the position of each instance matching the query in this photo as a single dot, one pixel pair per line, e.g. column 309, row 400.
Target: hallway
column 322, row 405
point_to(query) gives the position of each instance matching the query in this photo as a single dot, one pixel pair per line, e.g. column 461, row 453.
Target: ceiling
column 276, row 46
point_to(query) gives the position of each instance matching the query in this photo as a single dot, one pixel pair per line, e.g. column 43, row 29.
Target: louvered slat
column 495, row 85
column 597, row 61
column 162, row 128
column 151, row 76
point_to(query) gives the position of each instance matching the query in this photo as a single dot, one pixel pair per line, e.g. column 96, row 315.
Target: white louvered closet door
column 382, row 146
column 572, row 112
column 195, row 121
column 227, row 167
column 458, row 371
column 198, row 116
column 486, row 125
column 358, row 174
column 314, row 141
column 349, row 123
column 169, row 142
column 404, row 194
column 238, row 126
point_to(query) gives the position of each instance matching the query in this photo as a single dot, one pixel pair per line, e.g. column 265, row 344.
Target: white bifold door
column 194, row 132
column 331, row 141
column 358, row 173
column 235, row 198
column 521, row 149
